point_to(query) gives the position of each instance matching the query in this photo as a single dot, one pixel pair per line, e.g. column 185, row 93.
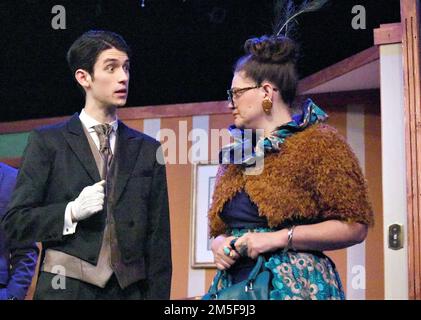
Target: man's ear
column 83, row 78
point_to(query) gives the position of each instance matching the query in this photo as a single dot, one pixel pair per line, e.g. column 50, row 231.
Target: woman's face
column 246, row 104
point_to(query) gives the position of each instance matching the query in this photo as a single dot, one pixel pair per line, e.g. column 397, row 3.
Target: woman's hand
column 322, row 236
column 253, row 244
column 222, row 260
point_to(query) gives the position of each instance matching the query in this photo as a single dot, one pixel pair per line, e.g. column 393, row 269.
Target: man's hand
column 89, row 202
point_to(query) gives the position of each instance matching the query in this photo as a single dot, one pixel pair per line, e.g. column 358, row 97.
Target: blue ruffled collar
column 247, row 147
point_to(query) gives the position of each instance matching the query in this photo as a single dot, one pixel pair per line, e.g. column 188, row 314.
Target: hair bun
column 273, row 49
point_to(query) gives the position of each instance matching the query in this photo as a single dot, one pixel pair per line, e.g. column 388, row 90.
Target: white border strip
column 394, row 168
column 356, row 275
column 197, row 277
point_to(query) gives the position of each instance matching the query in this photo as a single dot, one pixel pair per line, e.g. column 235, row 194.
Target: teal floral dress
column 296, row 275
column 304, row 276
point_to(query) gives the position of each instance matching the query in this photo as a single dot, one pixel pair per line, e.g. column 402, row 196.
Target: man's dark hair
column 85, row 50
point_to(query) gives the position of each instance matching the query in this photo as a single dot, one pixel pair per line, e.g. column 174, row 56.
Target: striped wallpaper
column 360, row 267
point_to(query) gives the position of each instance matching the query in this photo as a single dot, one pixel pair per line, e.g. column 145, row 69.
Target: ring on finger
column 227, row 251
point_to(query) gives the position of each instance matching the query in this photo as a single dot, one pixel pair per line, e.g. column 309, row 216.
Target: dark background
column 183, row 50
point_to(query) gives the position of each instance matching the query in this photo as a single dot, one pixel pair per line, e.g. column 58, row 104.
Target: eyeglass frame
column 231, row 92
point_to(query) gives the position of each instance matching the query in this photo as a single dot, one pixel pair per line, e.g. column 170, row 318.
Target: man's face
column 109, row 85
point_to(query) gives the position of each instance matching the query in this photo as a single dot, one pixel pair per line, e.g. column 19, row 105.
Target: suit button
column 131, row 224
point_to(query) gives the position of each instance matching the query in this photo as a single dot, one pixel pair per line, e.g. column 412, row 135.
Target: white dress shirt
column 89, row 123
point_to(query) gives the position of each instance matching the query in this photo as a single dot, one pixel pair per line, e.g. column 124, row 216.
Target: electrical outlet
column 395, row 236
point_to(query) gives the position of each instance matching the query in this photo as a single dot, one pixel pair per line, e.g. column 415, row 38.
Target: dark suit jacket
column 17, row 265
column 58, row 164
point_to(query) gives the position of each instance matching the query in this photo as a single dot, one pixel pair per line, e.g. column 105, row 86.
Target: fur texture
column 314, row 177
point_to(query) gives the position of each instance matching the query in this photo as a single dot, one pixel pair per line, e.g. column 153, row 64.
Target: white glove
column 89, row 202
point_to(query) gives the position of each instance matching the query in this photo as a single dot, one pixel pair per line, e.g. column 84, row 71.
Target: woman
column 311, row 195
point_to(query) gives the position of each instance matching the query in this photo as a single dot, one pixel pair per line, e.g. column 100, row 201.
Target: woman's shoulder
column 321, row 131
column 319, row 144
column 317, row 137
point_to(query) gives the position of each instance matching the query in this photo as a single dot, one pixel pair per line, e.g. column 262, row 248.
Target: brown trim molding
column 410, row 10
column 132, row 113
column 195, row 109
column 339, row 69
column 14, row 162
column 370, row 97
column 175, row 110
column 388, row 34
column 27, row 125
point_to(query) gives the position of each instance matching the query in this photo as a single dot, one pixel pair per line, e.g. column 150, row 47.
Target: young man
column 92, row 191
column 17, row 265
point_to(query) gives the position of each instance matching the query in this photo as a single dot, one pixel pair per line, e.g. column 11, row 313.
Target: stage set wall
column 355, row 114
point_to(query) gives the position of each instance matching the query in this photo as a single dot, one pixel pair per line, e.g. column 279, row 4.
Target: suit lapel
column 127, row 150
column 78, row 142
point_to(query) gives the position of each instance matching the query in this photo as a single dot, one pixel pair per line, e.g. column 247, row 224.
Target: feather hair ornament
column 286, row 12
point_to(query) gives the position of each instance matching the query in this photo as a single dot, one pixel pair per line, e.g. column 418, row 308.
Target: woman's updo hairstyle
column 271, row 59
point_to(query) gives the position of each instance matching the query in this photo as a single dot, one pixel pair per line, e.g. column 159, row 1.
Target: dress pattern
column 298, row 275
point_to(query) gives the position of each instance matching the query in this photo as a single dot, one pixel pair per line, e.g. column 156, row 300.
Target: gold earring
column 267, row 105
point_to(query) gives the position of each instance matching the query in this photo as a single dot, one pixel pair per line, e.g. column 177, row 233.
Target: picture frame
column 203, row 183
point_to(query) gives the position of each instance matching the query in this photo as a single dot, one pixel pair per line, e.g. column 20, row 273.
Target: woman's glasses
column 234, row 92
